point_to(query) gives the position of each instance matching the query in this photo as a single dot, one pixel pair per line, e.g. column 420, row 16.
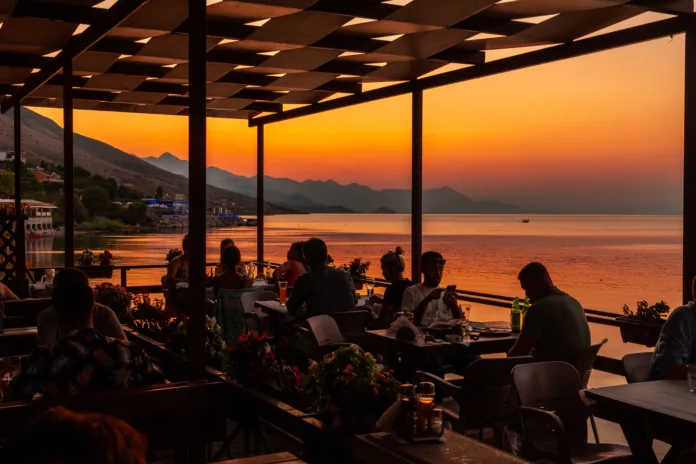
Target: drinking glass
column 283, row 290
column 252, row 270
column 467, row 313
column 435, row 424
column 691, row 378
column 370, row 283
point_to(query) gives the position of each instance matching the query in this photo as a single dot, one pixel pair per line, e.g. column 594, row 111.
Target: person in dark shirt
column 390, row 303
column 83, row 360
column 675, row 352
column 323, row 289
column 555, row 327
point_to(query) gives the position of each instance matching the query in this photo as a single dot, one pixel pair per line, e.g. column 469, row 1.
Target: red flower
column 270, row 355
column 295, row 369
column 264, row 335
column 229, row 348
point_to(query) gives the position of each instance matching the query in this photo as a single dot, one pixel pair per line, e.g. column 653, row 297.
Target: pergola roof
column 263, row 54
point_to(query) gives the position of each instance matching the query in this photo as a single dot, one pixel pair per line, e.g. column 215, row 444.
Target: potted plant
column 105, row 258
column 357, row 270
column 216, row 348
column 148, row 316
column 349, row 393
column 644, row 325
column 86, row 261
column 173, row 253
column 115, row 297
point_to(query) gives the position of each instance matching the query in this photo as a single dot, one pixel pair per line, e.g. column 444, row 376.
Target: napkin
column 402, row 322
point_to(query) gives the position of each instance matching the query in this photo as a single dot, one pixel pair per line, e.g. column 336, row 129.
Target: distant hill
column 42, row 140
column 313, row 196
column 384, row 210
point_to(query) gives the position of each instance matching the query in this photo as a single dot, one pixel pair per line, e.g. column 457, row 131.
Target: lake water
column 604, row 261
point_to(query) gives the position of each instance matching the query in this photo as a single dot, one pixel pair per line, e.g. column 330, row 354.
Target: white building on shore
column 39, row 215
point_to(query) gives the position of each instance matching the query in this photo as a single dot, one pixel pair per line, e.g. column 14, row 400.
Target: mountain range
column 42, row 140
column 314, row 196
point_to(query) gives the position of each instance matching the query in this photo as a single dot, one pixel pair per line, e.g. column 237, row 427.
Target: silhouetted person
column 676, row 348
column 323, row 289
column 555, row 327
column 232, row 279
column 429, row 302
column 224, row 244
column 393, row 272
column 293, row 268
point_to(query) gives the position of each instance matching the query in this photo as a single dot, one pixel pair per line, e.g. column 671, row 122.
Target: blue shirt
column 677, row 343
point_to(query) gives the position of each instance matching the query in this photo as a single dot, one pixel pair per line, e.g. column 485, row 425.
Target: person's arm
column 9, row 294
column 281, row 270
column 673, row 349
column 450, row 300
column 419, row 312
column 172, row 270
column 298, row 296
column 248, row 283
column 531, row 331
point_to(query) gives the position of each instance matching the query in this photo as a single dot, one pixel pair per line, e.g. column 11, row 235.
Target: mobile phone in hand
column 452, row 288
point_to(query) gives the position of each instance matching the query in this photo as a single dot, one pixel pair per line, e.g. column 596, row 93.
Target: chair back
column 229, row 312
column 487, row 395
column 249, row 298
column 553, row 386
column 586, row 361
column 325, row 330
column 637, row 366
column 24, row 313
column 350, row 322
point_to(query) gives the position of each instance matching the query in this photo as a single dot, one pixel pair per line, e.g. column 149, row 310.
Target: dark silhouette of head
column 73, row 300
column 392, row 266
column 315, row 253
column 61, row 436
column 225, row 243
column 536, row 281
column 399, row 251
column 432, row 268
column 231, row 258
column 295, row 252
column 186, row 244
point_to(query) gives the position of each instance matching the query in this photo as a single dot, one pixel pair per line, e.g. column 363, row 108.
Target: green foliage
column 134, row 214
column 357, row 268
column 96, row 200
column 159, row 193
column 646, row 312
column 99, row 223
column 81, row 213
column 6, row 184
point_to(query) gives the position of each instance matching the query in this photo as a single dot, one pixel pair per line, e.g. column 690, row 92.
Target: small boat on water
column 525, row 221
column 33, row 235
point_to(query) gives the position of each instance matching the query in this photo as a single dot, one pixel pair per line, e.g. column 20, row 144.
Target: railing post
column 20, row 246
column 197, row 185
column 259, row 197
column 124, row 277
column 68, row 165
column 416, row 184
column 689, row 232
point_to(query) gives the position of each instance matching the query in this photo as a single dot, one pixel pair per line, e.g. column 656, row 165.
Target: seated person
column 555, row 327
column 675, row 351
column 323, row 289
column 427, row 300
column 226, row 242
column 6, row 294
column 390, row 303
column 78, row 438
column 105, row 320
column 83, row 360
column 293, row 268
column 231, row 279
column 177, row 270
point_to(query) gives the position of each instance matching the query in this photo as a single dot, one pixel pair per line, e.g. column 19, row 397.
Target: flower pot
column 358, row 284
column 640, row 331
column 98, row 272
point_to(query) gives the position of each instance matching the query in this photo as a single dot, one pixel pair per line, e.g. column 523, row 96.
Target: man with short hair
column 555, row 327
column 429, row 302
column 105, row 320
column 83, row 360
column 675, row 352
column 323, row 289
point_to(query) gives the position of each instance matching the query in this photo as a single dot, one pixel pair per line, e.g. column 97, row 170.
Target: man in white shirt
column 427, row 300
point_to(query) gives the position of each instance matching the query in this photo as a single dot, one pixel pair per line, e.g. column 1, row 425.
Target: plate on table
column 495, row 332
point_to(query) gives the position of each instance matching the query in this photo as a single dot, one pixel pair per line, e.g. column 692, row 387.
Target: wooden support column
column 22, row 288
column 259, row 196
column 68, row 164
column 416, row 184
column 689, row 238
column 197, row 185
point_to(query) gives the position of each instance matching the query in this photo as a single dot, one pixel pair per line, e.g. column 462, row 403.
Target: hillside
column 330, row 196
column 42, row 140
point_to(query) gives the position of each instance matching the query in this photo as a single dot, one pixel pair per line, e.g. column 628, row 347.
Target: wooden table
column 663, row 409
column 380, row 448
column 386, row 342
column 277, row 458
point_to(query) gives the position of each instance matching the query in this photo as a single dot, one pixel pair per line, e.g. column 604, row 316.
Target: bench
column 24, row 313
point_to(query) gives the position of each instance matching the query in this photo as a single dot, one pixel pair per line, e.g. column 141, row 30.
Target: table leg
column 640, row 442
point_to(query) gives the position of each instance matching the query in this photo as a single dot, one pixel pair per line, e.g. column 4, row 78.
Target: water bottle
column 515, row 314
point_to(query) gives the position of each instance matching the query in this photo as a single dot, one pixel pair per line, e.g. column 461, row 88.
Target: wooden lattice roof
column 264, row 54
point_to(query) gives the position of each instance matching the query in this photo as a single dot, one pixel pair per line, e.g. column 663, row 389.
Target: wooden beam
column 638, row 34
column 197, row 186
column 68, row 165
column 259, row 197
column 416, row 184
column 22, row 288
column 689, row 231
column 114, row 16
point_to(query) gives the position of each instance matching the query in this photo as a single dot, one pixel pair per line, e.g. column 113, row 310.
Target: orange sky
column 610, row 121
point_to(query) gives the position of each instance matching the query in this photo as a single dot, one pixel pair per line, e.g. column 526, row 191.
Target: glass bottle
column 515, row 315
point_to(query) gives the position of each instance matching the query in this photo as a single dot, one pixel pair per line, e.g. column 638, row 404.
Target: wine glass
column 252, row 270
column 370, row 283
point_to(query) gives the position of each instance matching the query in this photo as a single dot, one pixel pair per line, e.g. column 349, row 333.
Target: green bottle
column 515, row 315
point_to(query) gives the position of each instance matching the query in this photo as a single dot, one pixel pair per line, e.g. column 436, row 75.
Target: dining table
column 662, row 409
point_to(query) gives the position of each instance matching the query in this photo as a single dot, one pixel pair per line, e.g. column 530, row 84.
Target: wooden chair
column 554, row 417
column 584, row 366
column 485, row 398
column 351, row 323
column 171, row 416
column 24, row 313
column 637, row 366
